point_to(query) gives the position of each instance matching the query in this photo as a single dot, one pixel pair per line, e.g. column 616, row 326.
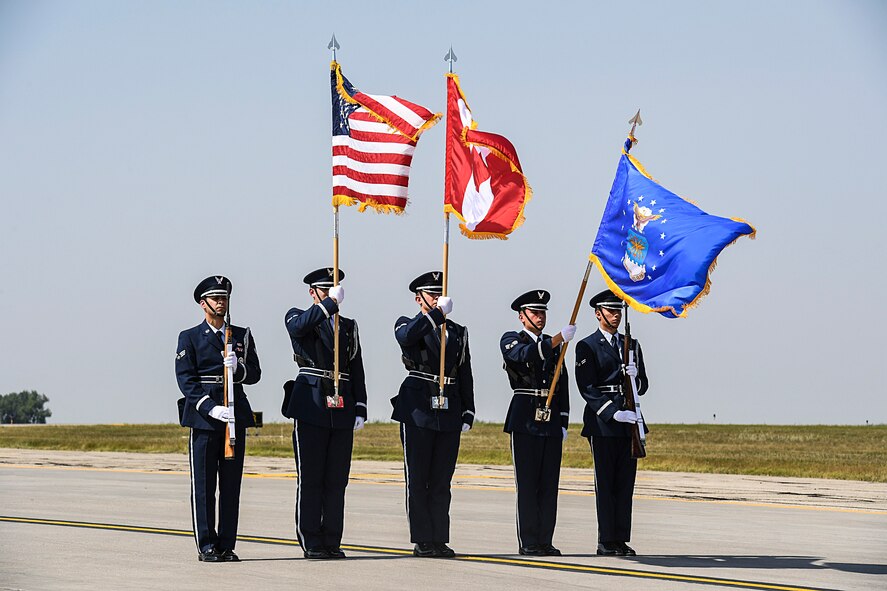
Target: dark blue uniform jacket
column 598, row 364
column 420, row 344
column 199, row 355
column 530, row 365
column 311, row 333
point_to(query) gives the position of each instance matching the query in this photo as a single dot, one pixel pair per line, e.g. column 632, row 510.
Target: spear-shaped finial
column 635, row 121
column 334, row 45
column 451, row 57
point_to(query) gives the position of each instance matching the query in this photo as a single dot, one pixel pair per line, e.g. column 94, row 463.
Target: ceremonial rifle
column 544, row 414
column 228, row 385
column 630, row 393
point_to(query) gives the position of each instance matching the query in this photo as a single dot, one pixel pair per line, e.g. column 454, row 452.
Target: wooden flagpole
column 544, row 414
column 443, row 327
column 449, row 57
column 336, row 316
column 334, row 45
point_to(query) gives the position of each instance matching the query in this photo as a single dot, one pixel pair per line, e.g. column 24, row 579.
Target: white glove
column 337, row 292
column 626, row 416
column 358, row 423
column 631, row 370
column 568, row 332
column 220, row 413
column 564, row 429
column 445, row 304
column 230, row 360
column 465, row 427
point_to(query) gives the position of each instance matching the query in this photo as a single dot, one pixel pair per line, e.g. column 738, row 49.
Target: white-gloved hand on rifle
column 631, row 370
column 220, row 413
column 230, row 360
column 626, row 416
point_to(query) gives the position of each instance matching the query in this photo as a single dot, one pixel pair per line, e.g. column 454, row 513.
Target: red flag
column 484, row 185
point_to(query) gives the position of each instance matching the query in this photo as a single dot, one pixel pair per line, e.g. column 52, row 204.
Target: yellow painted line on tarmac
column 358, row 479
column 495, row 560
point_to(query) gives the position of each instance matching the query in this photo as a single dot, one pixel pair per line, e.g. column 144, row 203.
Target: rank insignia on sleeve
column 180, row 354
column 511, row 344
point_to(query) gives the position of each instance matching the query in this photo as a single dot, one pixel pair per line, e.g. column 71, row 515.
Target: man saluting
column 200, row 364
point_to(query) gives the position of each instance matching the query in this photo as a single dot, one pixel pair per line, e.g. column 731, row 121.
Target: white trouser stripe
column 520, row 541
column 406, row 473
column 193, row 490
column 298, row 482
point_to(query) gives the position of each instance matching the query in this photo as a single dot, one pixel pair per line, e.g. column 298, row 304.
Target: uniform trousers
column 206, row 452
column 537, row 463
column 323, row 462
column 614, row 476
column 429, row 463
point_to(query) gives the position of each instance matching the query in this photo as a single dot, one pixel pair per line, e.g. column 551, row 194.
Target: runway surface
column 122, row 521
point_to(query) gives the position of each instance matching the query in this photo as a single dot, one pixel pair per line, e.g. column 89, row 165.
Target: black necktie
column 615, row 343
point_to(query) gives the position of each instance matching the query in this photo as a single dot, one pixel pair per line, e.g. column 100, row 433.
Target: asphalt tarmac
column 122, row 521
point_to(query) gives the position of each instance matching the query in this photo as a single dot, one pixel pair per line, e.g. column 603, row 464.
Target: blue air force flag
column 654, row 249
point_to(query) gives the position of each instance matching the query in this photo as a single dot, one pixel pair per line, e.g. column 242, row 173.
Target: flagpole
column 443, row 327
column 449, row 57
column 544, row 414
column 336, row 316
column 334, row 45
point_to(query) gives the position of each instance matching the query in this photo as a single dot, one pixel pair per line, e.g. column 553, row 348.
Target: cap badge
column 541, row 294
column 219, row 280
column 436, row 276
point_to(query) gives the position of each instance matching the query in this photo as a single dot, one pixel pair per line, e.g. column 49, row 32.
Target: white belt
column 429, row 377
column 322, row 373
column 211, row 379
column 610, row 389
column 530, row 392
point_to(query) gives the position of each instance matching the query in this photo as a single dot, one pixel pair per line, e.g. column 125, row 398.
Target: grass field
column 849, row 453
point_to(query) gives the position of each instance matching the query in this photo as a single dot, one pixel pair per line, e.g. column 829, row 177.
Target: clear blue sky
column 146, row 145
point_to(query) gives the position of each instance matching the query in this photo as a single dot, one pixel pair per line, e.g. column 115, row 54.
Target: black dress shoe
column 335, row 552
column 626, row 550
column 549, row 550
column 530, row 551
column 316, row 553
column 210, row 555
column 441, row 550
column 228, row 556
column 423, row 550
column 608, row 549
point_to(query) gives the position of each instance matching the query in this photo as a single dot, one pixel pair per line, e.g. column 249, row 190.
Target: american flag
column 374, row 137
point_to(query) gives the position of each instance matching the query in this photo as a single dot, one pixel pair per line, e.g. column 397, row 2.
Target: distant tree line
column 24, row 407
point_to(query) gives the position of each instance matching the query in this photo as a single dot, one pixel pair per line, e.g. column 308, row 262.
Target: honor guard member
column 324, row 419
column 200, row 365
column 431, row 424
column 536, row 444
column 599, row 376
